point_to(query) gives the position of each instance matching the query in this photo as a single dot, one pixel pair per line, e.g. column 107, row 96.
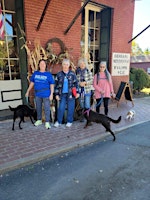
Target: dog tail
column 116, row 121
column 12, row 109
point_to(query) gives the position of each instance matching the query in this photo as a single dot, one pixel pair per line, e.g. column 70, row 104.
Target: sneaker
column 38, row 122
column 47, row 125
column 56, row 125
column 68, row 124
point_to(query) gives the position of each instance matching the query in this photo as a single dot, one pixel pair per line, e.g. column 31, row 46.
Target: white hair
column 103, row 63
column 65, row 60
column 83, row 60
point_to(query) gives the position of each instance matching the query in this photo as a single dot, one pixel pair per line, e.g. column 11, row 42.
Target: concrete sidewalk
column 32, row 144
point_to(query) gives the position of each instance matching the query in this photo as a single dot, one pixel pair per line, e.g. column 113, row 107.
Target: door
column 105, row 35
column 95, row 34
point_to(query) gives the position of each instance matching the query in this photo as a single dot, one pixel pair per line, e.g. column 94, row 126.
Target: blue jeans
column 70, row 102
column 85, row 101
column 46, row 103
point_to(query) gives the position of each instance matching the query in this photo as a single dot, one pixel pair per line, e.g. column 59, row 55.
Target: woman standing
column 103, row 87
column 64, row 83
column 85, row 79
column 43, row 84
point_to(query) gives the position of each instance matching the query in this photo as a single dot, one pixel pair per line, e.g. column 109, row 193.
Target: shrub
column 140, row 79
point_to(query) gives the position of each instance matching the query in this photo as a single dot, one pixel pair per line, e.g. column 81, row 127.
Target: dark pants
column 106, row 101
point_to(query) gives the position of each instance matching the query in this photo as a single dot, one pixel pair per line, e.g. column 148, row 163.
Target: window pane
column 9, row 28
column 11, row 72
column 12, row 47
column 3, row 50
column 15, row 73
column 9, row 61
column 83, row 18
column 91, row 19
column 91, row 35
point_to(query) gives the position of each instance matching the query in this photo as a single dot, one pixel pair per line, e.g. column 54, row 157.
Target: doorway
column 95, row 34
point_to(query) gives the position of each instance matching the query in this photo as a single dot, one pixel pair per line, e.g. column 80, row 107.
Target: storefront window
column 9, row 61
column 90, row 33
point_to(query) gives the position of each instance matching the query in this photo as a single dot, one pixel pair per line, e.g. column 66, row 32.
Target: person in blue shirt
column 43, row 84
column 65, row 83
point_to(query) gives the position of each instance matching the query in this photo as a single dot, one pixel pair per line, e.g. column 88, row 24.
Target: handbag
column 74, row 91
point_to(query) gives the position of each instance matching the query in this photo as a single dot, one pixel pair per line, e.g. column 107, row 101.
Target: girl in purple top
column 103, row 87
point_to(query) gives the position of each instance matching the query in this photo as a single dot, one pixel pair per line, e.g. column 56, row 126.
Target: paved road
column 103, row 170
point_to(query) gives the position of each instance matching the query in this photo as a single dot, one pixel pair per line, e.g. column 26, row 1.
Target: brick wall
column 59, row 15
column 143, row 65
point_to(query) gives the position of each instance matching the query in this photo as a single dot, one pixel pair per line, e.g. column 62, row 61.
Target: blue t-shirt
column 65, row 85
column 42, row 81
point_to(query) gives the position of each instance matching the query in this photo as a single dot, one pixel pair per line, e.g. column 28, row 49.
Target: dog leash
column 27, row 100
column 88, row 111
column 100, row 101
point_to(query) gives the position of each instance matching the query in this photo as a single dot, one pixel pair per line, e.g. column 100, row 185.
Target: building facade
column 98, row 30
column 141, row 62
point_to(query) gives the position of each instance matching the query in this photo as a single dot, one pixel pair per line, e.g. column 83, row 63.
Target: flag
column 1, row 24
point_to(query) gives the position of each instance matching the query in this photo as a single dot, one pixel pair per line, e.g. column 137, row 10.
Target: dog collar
column 87, row 111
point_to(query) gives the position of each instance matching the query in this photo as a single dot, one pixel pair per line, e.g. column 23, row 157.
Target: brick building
column 141, row 62
column 99, row 28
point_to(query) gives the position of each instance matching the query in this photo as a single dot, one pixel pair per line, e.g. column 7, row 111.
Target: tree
column 136, row 50
column 140, row 79
column 147, row 51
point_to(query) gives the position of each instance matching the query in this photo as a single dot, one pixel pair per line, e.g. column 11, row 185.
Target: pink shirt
column 103, row 86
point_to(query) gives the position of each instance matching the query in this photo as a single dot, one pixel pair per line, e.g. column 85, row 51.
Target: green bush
column 140, row 79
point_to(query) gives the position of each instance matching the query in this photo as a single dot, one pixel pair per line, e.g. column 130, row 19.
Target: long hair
column 108, row 76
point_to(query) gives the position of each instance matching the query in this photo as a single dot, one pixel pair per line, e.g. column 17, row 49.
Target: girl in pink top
column 103, row 87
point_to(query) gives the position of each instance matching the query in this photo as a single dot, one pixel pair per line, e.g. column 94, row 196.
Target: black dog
column 23, row 111
column 92, row 116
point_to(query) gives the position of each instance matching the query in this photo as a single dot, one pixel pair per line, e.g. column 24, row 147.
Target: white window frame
column 4, row 11
column 94, row 45
column 87, row 9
